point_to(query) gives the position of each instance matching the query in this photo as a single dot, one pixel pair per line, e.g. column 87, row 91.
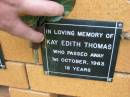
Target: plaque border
column 118, row 25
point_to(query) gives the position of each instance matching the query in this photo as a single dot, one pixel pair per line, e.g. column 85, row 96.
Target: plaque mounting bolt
column 109, row 79
column 3, row 66
column 47, row 72
column 120, row 25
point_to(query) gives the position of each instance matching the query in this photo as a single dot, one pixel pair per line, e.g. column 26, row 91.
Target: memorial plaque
column 81, row 48
column 2, row 63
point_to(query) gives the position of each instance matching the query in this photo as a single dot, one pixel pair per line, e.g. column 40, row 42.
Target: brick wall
column 24, row 78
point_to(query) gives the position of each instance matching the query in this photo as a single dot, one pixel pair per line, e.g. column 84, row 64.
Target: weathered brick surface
column 120, row 87
column 16, row 49
column 108, row 10
column 28, row 93
column 14, row 75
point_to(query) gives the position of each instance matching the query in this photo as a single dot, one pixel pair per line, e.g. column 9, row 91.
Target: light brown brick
column 108, row 10
column 120, row 87
column 14, row 75
column 123, row 61
column 28, row 93
column 16, row 49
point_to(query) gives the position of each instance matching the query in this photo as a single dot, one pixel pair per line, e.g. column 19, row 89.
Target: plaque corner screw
column 120, row 25
column 3, row 66
column 109, row 79
column 47, row 72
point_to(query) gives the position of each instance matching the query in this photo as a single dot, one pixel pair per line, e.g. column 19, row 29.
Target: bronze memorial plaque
column 81, row 48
